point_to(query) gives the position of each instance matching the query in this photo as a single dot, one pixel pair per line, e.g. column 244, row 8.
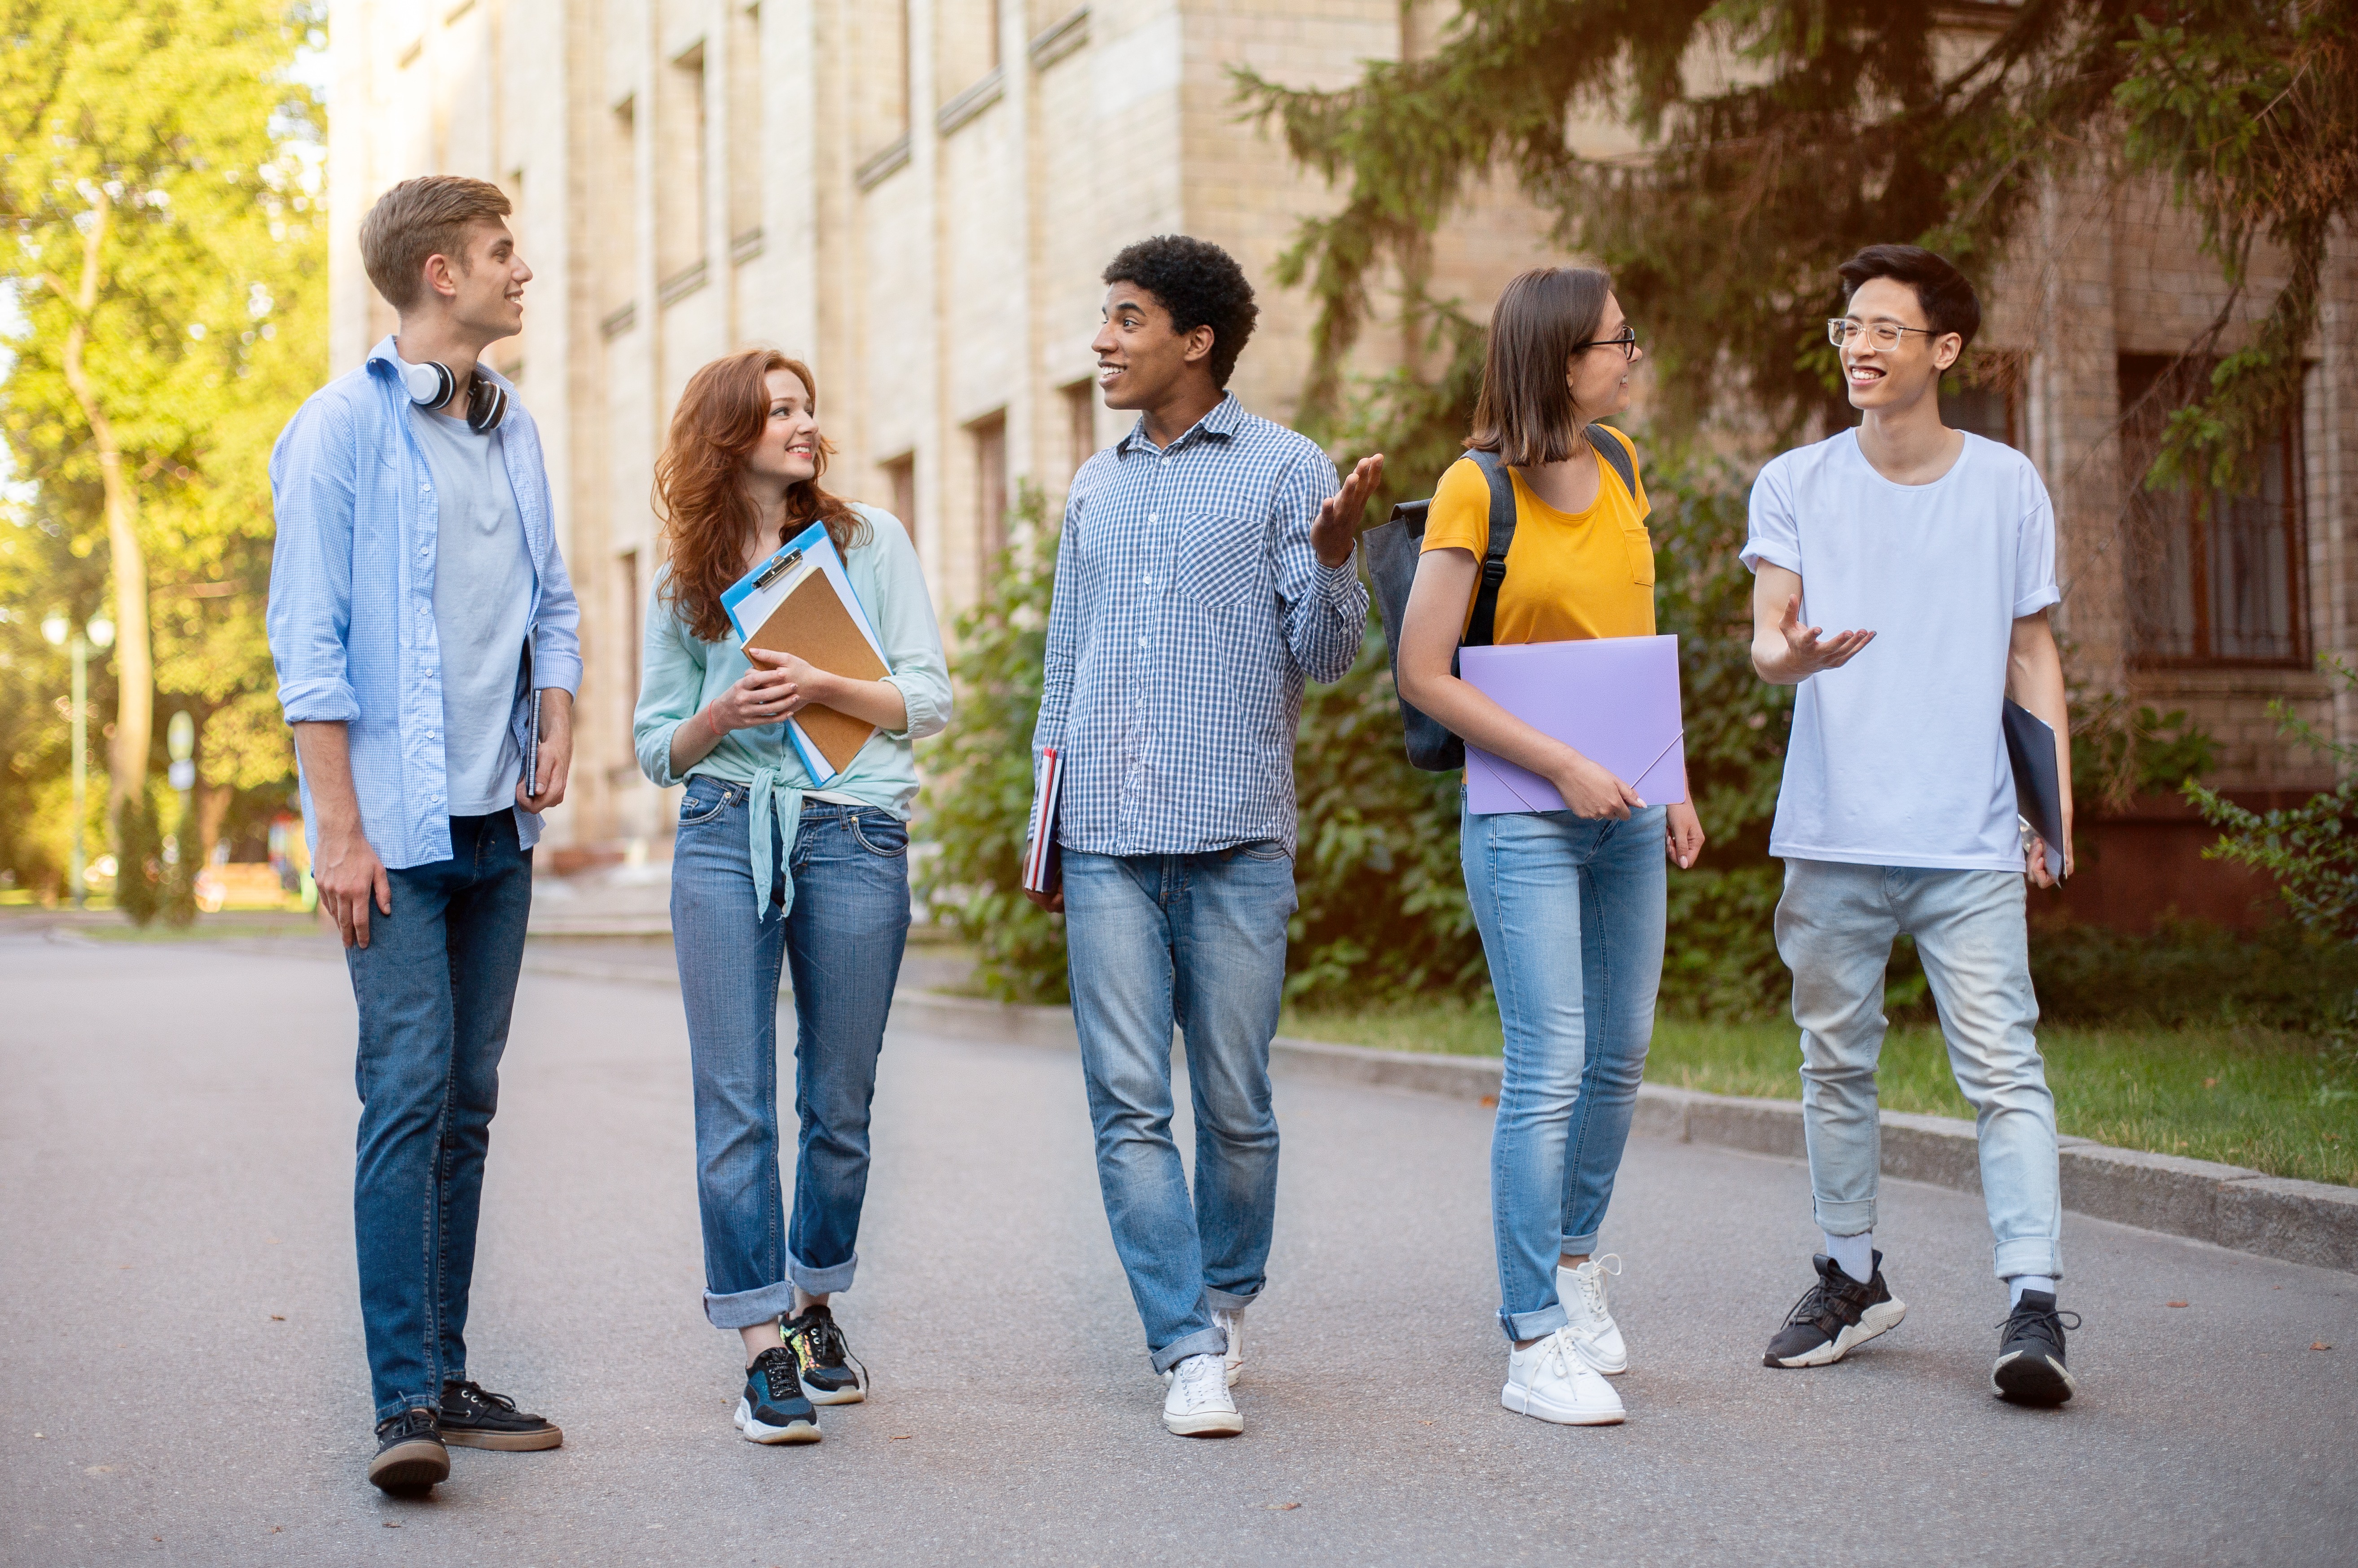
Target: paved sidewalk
column 179, row 1329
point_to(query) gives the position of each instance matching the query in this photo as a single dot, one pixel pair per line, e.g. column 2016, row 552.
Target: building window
column 617, row 204
column 1984, row 396
column 989, row 493
column 628, row 576
column 680, row 155
column 900, row 476
column 1081, row 423
column 742, row 135
column 2213, row 578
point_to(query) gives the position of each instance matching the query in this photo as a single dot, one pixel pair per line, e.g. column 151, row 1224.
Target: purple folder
column 1613, row 699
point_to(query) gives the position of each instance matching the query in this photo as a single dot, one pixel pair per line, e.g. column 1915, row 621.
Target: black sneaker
column 2029, row 1370
column 773, row 1408
column 821, row 1355
column 409, row 1453
column 1834, row 1317
column 472, row 1418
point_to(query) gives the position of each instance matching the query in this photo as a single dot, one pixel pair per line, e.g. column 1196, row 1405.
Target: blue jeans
column 1835, row 929
column 1571, row 912
column 843, row 938
column 435, row 989
column 1197, row 941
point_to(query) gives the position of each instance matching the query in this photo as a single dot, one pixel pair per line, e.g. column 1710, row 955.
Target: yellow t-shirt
column 1570, row 575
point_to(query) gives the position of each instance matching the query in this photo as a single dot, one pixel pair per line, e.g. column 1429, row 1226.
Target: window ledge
column 682, row 284
column 970, row 103
column 620, row 321
column 745, row 247
column 1059, row 39
column 884, row 165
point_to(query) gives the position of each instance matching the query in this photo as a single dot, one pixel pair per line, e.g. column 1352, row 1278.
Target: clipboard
column 801, row 601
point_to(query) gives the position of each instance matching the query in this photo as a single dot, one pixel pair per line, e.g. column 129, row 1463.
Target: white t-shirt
column 1898, row 758
column 483, row 610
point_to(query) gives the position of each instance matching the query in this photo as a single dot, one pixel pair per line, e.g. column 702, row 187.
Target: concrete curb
column 2298, row 1222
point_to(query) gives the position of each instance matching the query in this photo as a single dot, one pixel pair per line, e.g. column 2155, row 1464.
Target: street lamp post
column 59, row 630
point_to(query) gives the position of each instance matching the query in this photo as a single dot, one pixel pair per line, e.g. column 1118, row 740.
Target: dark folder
column 2037, row 792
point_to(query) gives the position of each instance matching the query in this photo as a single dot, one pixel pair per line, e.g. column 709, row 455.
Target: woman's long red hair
column 701, row 493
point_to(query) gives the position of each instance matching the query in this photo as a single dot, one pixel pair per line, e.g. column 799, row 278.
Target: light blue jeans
column 843, row 940
column 1571, row 912
column 1197, row 941
column 1834, row 930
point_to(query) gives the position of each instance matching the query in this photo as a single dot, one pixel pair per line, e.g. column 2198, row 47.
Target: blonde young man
column 418, row 602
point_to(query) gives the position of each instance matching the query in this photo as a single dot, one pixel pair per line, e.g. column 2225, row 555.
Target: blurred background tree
column 168, row 313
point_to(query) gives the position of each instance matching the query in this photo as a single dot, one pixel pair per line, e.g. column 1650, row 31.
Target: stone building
column 916, row 196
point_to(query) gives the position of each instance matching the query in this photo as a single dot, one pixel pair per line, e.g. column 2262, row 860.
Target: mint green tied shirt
column 683, row 674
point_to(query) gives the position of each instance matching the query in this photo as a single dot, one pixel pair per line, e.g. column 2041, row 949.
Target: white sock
column 1854, row 1254
column 2022, row 1283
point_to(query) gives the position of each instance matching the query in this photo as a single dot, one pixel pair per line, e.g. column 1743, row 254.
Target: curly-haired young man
column 1206, row 570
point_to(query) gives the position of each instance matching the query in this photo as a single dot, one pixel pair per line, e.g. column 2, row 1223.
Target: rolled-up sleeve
column 310, row 608
column 671, row 686
column 1324, row 609
column 911, row 634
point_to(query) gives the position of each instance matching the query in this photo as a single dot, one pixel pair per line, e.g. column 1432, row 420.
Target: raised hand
column 1338, row 517
column 1808, row 651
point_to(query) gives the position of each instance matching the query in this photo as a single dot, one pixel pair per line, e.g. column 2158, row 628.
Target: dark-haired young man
column 1206, row 570
column 1897, row 812
column 417, row 600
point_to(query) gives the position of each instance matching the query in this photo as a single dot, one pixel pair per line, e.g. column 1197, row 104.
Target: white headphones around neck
column 431, row 386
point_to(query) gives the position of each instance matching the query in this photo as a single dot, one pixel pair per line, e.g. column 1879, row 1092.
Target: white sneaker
column 1198, row 1404
column 1582, row 1292
column 1552, row 1381
column 1232, row 1323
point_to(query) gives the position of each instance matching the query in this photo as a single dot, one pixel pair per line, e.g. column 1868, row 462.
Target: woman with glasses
column 1571, row 904
column 770, row 871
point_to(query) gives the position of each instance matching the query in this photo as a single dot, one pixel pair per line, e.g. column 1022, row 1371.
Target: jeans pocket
column 879, row 833
column 1264, row 850
column 703, row 802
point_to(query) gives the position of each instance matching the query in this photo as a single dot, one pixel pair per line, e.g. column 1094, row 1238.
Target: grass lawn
column 2259, row 1098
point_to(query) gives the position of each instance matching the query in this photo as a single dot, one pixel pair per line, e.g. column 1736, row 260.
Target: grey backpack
column 1391, row 548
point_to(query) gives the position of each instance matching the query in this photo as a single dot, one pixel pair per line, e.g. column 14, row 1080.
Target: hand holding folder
column 801, row 602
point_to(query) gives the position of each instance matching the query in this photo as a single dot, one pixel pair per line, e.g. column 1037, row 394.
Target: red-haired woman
column 769, row 870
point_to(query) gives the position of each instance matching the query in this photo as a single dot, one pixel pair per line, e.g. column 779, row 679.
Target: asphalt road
column 185, row 1382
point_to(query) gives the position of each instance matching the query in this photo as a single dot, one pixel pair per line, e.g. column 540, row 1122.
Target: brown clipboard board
column 813, row 627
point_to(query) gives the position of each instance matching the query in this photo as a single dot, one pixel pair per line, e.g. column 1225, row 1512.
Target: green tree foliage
column 1776, row 136
column 162, row 186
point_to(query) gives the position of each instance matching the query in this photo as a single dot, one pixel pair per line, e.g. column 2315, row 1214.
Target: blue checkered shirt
column 1189, row 607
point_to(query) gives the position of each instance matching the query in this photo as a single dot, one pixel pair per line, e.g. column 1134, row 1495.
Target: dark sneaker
column 1834, row 1317
column 2029, row 1370
column 410, row 1454
column 472, row 1418
column 822, row 1355
column 774, row 1409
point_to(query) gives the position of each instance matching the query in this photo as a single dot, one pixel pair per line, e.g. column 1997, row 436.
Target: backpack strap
column 1617, row 456
column 1479, row 631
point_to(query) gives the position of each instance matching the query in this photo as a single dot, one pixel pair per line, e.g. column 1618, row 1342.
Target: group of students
column 426, row 637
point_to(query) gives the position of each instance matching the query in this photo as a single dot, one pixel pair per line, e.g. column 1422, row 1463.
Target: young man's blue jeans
column 1571, row 911
column 436, row 987
column 1197, row 941
column 1835, row 929
column 843, row 938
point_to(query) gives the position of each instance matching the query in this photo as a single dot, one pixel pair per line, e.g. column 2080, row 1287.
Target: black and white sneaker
column 772, row 1407
column 2029, row 1370
column 830, row 1373
column 410, row 1456
column 1834, row 1317
column 475, row 1418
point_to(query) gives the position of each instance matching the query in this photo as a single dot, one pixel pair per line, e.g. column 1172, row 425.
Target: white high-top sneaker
column 1591, row 1324
column 1552, row 1381
column 1232, row 1323
column 1198, row 1404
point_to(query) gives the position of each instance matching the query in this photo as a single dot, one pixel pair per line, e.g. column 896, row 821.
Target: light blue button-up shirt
column 352, row 600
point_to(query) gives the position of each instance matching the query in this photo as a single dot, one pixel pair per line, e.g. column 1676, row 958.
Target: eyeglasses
column 1842, row 329
column 1627, row 341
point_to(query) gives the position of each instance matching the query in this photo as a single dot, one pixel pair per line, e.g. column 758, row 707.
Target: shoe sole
column 758, row 1431
column 1216, row 1423
column 505, row 1442
column 818, row 1396
column 2023, row 1379
column 1875, row 1322
column 1520, row 1401
column 410, row 1467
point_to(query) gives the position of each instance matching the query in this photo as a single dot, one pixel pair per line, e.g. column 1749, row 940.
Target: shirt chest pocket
column 1639, row 545
column 1221, row 561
